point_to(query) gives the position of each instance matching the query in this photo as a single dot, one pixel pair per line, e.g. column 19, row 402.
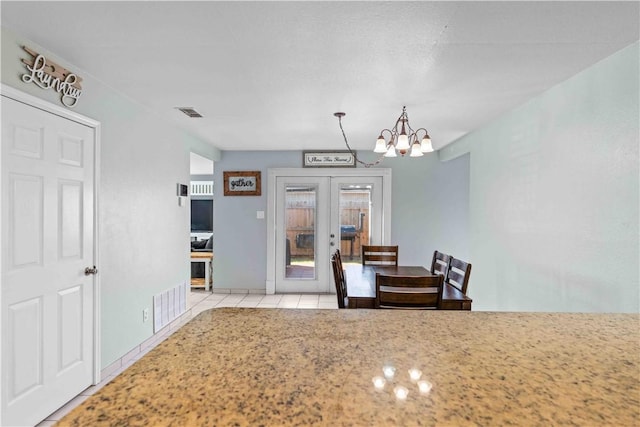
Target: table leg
column 207, row 275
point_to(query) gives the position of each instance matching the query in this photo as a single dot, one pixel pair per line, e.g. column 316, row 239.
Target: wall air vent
column 189, row 111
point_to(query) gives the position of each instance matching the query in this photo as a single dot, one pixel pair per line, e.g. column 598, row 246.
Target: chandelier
column 401, row 139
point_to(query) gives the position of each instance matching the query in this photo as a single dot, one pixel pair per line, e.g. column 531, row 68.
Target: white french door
column 302, row 239
column 313, row 214
column 48, row 222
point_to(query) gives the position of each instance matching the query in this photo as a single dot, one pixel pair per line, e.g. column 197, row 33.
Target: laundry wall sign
column 49, row 75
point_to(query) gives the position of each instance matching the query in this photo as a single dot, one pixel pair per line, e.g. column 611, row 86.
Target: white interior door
column 314, row 216
column 47, row 302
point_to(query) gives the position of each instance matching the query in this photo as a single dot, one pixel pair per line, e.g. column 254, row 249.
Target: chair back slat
column 440, row 264
column 339, row 264
column 458, row 274
column 409, row 292
column 379, row 255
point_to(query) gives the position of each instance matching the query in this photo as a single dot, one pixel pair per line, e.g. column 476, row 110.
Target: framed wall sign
column 242, row 183
column 328, row 159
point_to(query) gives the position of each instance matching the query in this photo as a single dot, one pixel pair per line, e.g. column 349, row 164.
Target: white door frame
column 25, row 98
column 272, row 174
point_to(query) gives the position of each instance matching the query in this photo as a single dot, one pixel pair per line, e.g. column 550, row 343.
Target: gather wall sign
column 242, row 183
column 49, row 75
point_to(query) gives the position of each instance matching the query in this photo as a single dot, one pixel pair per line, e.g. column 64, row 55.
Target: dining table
column 361, row 285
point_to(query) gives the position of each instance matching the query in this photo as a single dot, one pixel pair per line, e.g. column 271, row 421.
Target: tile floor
column 197, row 302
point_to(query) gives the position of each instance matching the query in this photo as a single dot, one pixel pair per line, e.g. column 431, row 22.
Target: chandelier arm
column 395, row 127
column 387, row 130
column 353, row 153
column 414, row 135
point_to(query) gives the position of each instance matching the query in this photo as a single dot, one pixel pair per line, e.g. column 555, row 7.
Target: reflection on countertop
column 273, row 367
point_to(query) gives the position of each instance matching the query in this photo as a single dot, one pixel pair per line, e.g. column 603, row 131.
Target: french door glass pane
column 300, row 229
column 355, row 220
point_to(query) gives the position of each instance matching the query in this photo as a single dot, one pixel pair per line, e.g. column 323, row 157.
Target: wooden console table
column 206, row 258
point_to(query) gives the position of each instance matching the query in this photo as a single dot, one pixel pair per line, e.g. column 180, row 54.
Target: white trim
column 272, row 174
column 25, row 98
column 97, row 337
column 47, row 106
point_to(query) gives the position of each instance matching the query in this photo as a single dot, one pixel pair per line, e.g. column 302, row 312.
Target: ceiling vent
column 189, row 111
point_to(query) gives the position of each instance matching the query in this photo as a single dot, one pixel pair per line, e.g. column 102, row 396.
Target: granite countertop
column 278, row 367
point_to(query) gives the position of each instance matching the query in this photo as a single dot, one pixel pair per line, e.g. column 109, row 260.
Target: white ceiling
column 270, row 75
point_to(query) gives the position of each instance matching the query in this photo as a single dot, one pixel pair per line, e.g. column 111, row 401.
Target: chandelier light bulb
column 391, row 152
column 426, row 146
column 416, row 150
column 381, row 145
column 403, row 142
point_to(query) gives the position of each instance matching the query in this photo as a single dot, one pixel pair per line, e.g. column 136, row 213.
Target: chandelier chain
column 353, row 153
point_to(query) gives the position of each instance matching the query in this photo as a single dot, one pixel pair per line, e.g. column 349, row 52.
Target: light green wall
column 144, row 234
column 429, row 206
column 554, row 197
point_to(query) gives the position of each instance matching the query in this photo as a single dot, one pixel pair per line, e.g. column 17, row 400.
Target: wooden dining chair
column 379, row 255
column 343, row 276
column 340, row 281
column 440, row 264
column 458, row 274
column 408, row 292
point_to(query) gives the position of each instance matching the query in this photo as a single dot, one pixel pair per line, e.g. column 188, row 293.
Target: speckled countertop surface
column 276, row 367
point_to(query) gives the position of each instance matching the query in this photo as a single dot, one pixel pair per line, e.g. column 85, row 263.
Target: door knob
column 90, row 270
column 331, row 244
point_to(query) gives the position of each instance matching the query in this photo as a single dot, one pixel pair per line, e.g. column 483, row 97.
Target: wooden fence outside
column 300, row 222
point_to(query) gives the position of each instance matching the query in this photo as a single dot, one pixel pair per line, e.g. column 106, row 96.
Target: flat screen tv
column 202, row 216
